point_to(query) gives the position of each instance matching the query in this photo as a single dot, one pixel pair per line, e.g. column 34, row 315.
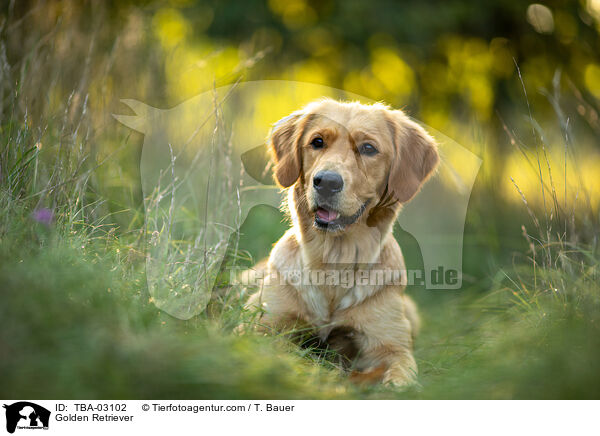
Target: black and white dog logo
column 26, row 415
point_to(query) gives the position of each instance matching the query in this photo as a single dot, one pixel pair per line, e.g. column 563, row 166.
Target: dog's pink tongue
column 326, row 215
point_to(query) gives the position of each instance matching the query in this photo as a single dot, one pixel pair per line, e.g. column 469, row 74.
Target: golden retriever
column 348, row 168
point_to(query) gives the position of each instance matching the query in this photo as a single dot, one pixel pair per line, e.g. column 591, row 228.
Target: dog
column 348, row 168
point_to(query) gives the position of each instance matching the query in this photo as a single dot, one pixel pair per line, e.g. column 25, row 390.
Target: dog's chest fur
column 339, row 261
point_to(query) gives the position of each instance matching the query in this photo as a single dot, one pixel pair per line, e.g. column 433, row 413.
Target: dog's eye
column 368, row 149
column 317, row 143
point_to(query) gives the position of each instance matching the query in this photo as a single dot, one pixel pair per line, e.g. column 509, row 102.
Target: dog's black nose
column 328, row 183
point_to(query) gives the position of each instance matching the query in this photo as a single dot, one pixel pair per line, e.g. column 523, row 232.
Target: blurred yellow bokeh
column 591, row 77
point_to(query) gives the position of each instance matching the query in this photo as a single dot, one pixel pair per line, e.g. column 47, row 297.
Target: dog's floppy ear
column 283, row 142
column 415, row 159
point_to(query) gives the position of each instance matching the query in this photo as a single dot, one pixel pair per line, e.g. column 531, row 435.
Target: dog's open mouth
column 331, row 220
column 326, row 216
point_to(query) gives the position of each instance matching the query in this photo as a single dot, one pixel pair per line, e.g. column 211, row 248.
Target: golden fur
column 383, row 320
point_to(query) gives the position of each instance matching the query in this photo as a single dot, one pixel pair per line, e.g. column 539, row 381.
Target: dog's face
column 348, row 157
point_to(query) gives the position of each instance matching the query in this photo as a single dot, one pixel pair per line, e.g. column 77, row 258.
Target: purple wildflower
column 43, row 215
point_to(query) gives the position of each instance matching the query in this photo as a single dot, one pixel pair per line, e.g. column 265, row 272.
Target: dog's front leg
column 277, row 308
column 387, row 359
column 402, row 370
column 384, row 341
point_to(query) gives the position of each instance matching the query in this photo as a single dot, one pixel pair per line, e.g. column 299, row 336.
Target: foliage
column 513, row 84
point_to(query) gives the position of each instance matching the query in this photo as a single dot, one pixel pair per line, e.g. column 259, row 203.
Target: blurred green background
column 516, row 83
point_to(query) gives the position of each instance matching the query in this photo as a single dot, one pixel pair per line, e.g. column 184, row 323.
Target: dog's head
column 349, row 159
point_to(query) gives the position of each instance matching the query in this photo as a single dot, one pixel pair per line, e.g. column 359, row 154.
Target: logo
column 26, row 415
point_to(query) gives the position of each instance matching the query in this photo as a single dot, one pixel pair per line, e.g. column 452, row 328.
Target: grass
column 77, row 319
column 77, row 323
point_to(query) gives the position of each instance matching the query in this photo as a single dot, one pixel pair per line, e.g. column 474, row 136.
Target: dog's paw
column 400, row 378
